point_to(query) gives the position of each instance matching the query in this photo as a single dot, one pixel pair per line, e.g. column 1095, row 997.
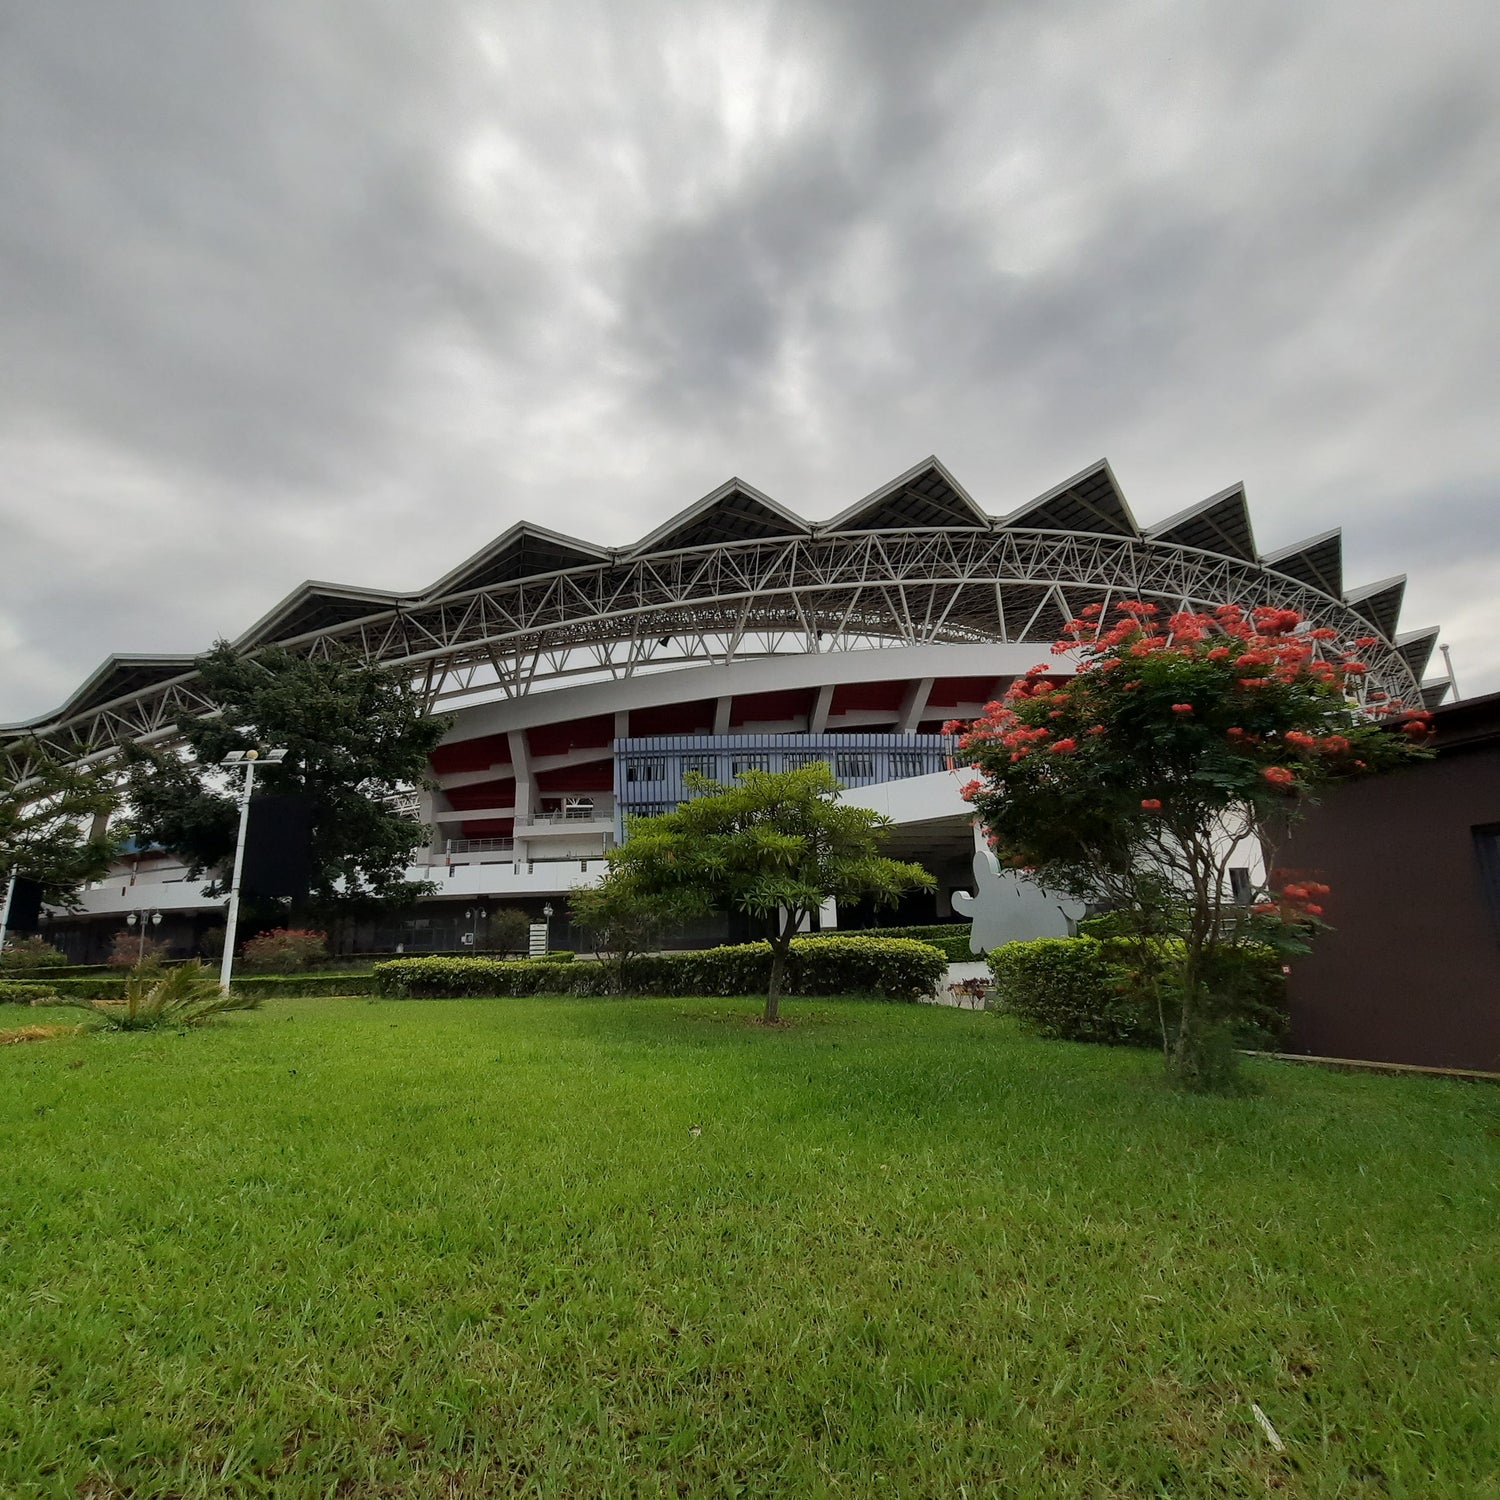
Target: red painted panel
column 498, row 793
column 771, row 708
column 851, row 696
column 471, row 755
column 592, row 776
column 596, row 733
column 488, row 828
column 949, row 692
column 674, row 718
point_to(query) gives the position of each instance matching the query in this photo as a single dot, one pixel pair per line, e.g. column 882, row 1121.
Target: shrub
column 894, row 968
column 1066, row 989
column 13, row 992
column 186, row 996
column 951, row 941
column 284, row 950
column 128, row 951
column 1087, row 990
column 510, row 930
column 554, row 956
column 211, row 943
column 23, row 955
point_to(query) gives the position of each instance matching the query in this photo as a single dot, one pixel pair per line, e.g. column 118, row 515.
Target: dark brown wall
column 1411, row 971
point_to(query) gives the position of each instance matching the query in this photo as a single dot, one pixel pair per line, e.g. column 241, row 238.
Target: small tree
column 356, row 733
column 131, row 950
column 1132, row 783
column 622, row 919
column 49, row 813
column 776, row 845
column 510, row 930
column 284, row 950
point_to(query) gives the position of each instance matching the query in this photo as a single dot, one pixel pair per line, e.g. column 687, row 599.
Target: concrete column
column 828, row 915
column 520, row 758
column 818, row 721
column 721, row 714
column 915, row 705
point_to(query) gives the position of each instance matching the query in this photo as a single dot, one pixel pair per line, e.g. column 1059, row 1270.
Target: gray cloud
column 340, row 291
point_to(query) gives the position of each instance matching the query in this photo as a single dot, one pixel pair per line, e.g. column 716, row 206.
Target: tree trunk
column 773, row 991
column 1203, row 1059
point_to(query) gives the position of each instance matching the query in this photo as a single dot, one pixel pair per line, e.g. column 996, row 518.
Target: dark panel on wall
column 497, row 793
column 25, row 906
column 771, row 708
column 471, row 755
column 595, row 733
column 673, row 718
column 849, row 697
column 1410, row 971
column 593, row 776
column 278, row 846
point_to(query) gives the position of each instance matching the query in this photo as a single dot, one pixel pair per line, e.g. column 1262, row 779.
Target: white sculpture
column 1008, row 908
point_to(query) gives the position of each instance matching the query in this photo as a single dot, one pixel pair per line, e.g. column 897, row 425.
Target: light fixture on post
column 474, row 916
column 249, row 759
column 143, row 920
column 547, row 918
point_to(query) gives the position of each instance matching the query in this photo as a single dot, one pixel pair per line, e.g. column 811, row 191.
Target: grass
column 591, row 1248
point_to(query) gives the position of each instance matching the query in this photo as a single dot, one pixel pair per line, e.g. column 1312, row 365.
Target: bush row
column 1086, row 990
column 17, row 992
column 894, row 968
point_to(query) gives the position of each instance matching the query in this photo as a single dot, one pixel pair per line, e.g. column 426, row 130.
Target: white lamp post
column 249, row 759
column 142, row 920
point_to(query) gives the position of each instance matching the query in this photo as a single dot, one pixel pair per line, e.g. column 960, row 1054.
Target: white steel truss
column 765, row 597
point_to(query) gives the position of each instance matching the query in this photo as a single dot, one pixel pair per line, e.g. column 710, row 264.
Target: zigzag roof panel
column 521, row 552
column 735, row 512
column 1434, row 691
column 1090, row 501
column 1380, row 603
column 926, row 495
column 1318, row 562
column 314, row 606
column 117, row 676
column 1219, row 524
column 1415, row 647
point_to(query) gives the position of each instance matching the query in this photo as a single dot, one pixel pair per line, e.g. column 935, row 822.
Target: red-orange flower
column 1182, row 708
column 1278, row 776
column 1151, row 804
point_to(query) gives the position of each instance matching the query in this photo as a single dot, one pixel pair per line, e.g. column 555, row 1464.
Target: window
column 649, row 809
column 800, row 758
column 1487, row 852
column 742, row 763
column 907, row 763
column 652, row 769
column 700, row 765
column 856, row 767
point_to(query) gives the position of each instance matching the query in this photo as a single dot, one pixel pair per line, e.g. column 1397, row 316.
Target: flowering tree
column 1133, row 782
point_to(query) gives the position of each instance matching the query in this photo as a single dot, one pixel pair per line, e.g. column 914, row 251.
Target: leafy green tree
column 622, row 919
column 775, row 845
column 49, row 816
column 1133, row 783
column 355, row 734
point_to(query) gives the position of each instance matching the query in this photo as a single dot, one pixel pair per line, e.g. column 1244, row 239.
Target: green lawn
column 592, row 1248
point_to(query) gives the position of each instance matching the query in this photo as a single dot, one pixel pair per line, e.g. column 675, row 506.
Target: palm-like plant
column 185, row 996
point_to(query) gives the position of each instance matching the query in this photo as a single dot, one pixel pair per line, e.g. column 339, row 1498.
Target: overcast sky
column 341, row 290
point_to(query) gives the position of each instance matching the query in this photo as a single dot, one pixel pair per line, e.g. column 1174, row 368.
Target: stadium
column 585, row 681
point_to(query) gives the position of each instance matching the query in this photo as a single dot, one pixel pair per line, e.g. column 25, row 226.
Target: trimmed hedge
column 267, row 986
column 954, row 946
column 1084, row 990
column 23, row 992
column 304, row 986
column 893, row 968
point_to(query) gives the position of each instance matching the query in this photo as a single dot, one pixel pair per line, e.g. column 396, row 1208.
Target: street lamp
column 143, row 921
column 474, row 916
column 547, row 918
column 249, row 759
